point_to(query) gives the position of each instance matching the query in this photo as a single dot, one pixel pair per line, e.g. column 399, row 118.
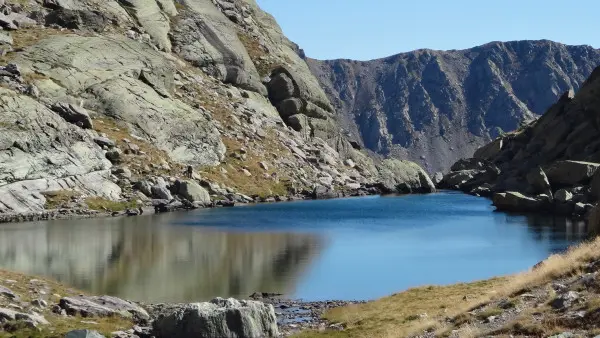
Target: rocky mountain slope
column 106, row 105
column 549, row 165
column 434, row 107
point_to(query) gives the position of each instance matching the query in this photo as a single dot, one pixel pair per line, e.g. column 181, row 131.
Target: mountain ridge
column 430, row 106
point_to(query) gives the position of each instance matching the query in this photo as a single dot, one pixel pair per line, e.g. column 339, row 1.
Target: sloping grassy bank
column 526, row 304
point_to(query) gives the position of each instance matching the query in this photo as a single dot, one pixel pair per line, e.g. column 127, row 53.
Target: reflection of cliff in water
column 143, row 258
column 550, row 228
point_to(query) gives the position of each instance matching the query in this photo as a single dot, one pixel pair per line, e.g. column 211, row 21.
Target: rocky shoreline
column 36, row 305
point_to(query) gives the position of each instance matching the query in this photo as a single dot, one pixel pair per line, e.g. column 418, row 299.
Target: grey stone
column 11, row 315
column 83, row 334
column 219, row 318
column 515, row 201
column 104, row 142
column 538, row 181
column 571, row 172
column 563, row 335
column 6, row 292
column 161, row 192
column 102, row 306
column 73, row 114
column 438, row 177
column 563, row 196
column 193, row 192
column 114, row 155
column 565, row 300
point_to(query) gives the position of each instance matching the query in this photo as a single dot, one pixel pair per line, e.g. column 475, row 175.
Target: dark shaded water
column 360, row 248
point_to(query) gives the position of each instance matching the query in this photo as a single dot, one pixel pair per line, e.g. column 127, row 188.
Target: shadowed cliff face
column 435, row 107
column 136, row 258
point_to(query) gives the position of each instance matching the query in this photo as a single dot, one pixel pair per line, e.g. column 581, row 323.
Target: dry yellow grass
column 408, row 312
column 118, row 130
column 102, row 204
column 260, row 183
column 55, row 199
column 396, row 316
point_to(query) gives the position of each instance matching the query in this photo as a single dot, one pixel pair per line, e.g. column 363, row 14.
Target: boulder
column 538, row 182
column 565, row 300
column 467, row 174
column 563, row 196
column 404, row 177
column 289, row 107
column 437, row 177
column 517, row 202
column 471, row 164
column 193, row 192
column 490, row 150
column 595, row 186
column 219, row 318
column 594, row 217
column 102, row 306
column 161, row 192
column 114, row 156
column 281, row 87
column 569, row 173
column 73, row 114
column 104, row 142
column 299, row 122
column 12, row 315
column 83, row 334
column 6, row 292
column 321, row 192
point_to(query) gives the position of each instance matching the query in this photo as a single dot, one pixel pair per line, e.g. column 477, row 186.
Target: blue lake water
column 356, row 248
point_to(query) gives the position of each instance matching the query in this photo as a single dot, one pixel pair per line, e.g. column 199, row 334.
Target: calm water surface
column 360, row 248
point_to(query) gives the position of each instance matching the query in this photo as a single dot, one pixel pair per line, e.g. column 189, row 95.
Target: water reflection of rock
column 144, row 259
column 550, row 227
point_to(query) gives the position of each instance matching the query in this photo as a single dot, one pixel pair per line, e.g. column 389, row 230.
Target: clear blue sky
column 368, row 29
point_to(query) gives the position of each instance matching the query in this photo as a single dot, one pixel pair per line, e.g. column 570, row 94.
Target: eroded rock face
column 443, row 105
column 129, row 82
column 208, row 39
column 219, row 318
column 40, row 151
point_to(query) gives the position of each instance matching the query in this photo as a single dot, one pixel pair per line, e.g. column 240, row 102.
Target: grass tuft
column 98, row 203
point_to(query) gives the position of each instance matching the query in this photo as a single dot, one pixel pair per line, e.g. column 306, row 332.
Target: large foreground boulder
column 219, row 318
